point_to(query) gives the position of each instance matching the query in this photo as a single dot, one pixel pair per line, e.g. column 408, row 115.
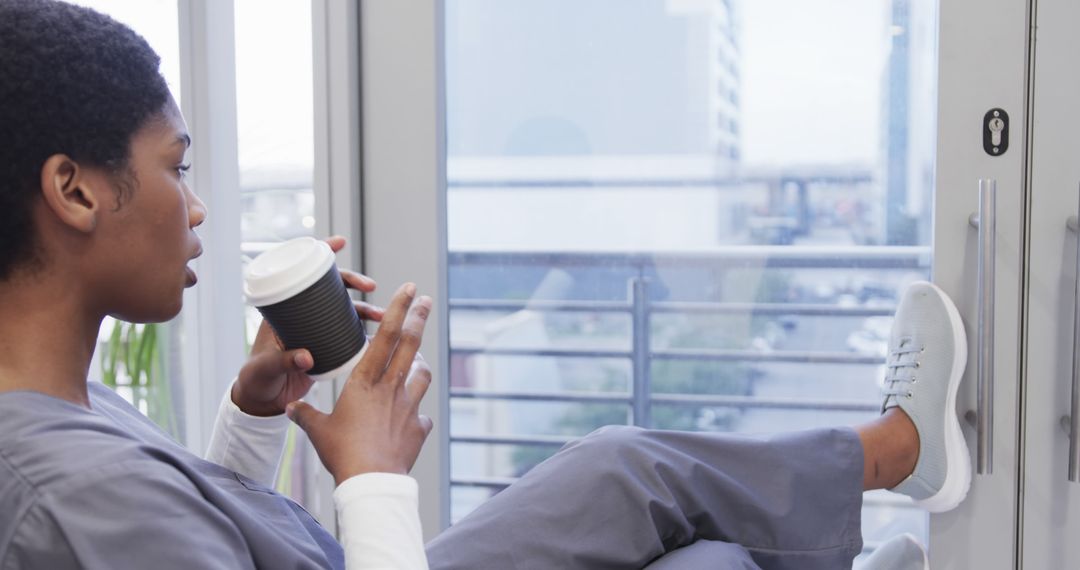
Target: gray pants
column 630, row 498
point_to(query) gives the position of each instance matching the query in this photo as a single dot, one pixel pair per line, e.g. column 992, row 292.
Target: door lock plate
column 996, row 132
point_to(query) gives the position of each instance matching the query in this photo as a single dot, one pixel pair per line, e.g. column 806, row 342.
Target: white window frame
column 337, row 179
column 404, row 196
column 212, row 326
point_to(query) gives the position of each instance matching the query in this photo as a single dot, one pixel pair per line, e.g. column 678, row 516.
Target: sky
column 830, row 52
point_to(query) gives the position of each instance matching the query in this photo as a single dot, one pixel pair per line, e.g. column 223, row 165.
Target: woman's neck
column 47, row 338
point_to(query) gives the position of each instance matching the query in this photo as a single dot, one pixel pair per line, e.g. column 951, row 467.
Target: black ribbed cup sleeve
column 322, row 319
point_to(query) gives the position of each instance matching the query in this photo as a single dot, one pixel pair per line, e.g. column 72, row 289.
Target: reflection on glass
column 743, row 185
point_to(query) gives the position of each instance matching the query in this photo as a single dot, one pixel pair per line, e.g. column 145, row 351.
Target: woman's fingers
column 382, row 345
column 336, row 243
column 352, row 279
column 426, row 424
column 369, row 312
column 418, row 382
column 375, row 425
column 358, row 281
column 412, row 334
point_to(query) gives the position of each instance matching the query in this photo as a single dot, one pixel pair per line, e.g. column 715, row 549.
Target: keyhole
column 996, row 126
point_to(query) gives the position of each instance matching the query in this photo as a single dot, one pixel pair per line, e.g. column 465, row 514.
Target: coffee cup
column 297, row 288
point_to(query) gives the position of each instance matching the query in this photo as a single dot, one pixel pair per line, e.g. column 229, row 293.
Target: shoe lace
column 900, row 371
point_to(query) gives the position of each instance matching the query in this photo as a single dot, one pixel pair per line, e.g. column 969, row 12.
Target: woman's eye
column 182, row 170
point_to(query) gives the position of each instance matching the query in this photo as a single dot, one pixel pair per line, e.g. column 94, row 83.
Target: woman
column 98, row 220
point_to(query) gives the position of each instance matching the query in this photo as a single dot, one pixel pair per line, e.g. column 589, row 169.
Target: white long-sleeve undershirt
column 378, row 513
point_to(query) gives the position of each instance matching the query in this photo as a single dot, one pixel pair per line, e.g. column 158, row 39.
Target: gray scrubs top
column 105, row 488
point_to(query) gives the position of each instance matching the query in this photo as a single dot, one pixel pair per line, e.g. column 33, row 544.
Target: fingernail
column 424, row 301
column 300, row 360
column 289, row 410
column 410, row 289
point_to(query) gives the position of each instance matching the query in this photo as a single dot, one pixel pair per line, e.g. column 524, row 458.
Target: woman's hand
column 272, row 376
column 375, row 425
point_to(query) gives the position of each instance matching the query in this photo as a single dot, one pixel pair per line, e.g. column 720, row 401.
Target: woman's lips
column 192, row 279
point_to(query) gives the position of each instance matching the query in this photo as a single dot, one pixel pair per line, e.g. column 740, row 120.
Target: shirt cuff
column 249, row 445
column 380, row 523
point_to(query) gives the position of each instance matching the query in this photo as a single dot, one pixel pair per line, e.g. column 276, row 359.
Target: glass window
column 157, row 21
column 684, row 214
column 130, row 357
column 275, row 120
column 275, row 125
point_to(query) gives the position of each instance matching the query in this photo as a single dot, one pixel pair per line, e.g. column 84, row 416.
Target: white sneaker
column 927, row 355
column 901, row 552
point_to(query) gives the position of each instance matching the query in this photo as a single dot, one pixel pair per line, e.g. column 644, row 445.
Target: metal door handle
column 1074, row 419
column 986, row 223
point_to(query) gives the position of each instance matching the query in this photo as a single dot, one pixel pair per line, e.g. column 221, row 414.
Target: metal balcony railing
column 641, row 309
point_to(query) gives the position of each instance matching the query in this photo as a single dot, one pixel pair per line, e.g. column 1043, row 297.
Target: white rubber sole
column 925, row 557
column 957, row 456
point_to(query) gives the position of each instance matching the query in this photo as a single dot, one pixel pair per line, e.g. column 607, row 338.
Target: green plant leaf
column 141, row 374
column 109, row 362
column 130, row 340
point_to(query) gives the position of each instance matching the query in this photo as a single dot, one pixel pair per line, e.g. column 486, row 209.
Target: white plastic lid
column 285, row 270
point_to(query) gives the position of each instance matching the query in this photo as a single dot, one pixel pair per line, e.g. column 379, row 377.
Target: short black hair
column 72, row 81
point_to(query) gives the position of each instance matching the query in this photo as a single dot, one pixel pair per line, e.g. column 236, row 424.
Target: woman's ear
column 66, row 190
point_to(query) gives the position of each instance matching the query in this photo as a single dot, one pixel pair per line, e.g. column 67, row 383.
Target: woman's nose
column 196, row 211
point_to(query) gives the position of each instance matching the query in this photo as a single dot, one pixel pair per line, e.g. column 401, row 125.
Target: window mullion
column 212, row 326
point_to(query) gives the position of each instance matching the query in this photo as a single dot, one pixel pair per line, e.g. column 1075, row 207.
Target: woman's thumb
column 305, row 416
column 270, row 364
column 299, row 360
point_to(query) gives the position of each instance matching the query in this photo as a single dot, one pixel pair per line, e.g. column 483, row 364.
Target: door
column 1051, row 501
column 983, row 65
